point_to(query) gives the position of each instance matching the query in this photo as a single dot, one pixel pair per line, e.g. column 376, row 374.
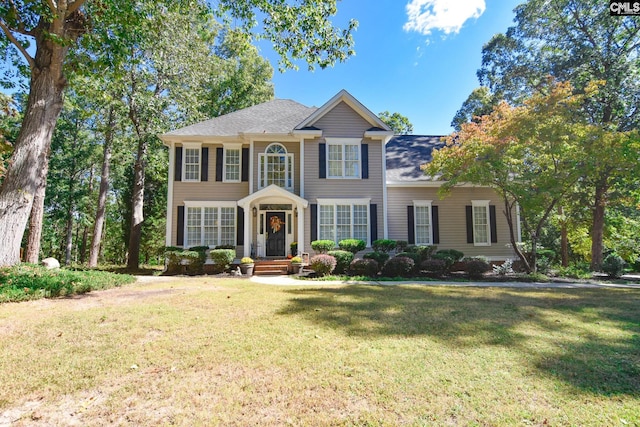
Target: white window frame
column 216, row 205
column 235, row 147
column 191, row 146
column 476, row 226
column 342, row 202
column 422, row 204
column 289, row 173
column 343, row 142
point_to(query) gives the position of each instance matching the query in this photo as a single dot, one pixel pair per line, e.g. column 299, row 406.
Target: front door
column 276, row 234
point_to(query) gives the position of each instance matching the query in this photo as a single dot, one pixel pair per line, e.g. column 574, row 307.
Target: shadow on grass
column 588, row 338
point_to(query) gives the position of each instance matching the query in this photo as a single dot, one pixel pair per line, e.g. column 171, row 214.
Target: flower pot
column 296, row 268
column 247, row 269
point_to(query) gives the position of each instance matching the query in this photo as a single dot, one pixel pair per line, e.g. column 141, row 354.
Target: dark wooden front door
column 276, row 234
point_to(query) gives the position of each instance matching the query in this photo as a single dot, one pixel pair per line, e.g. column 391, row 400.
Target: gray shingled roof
column 405, row 154
column 277, row 116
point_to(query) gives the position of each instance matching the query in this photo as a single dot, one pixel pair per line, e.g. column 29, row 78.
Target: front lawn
column 207, row 351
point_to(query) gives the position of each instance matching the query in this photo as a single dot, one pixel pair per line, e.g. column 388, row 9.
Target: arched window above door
column 275, row 167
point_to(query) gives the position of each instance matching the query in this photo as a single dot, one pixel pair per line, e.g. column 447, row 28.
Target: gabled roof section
column 271, row 191
column 346, row 97
column 278, row 116
column 405, row 155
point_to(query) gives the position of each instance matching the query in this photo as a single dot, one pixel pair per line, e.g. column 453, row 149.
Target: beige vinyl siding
column 210, row 190
column 342, row 122
column 452, row 218
column 259, row 147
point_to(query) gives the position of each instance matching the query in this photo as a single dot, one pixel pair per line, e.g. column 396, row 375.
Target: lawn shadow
column 607, row 363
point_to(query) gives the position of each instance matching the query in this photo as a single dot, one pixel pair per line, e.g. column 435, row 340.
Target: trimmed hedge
column 398, row 266
column 323, row 246
column 222, row 259
column 379, row 257
column 343, row 260
column 322, row 264
column 364, row 267
column 476, row 267
column 352, row 245
column 435, row 267
column 383, row 245
column 613, row 265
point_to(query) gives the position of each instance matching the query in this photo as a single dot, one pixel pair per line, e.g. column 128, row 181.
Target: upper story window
column 232, row 164
column 191, row 162
column 343, row 158
column 276, row 167
column 481, row 222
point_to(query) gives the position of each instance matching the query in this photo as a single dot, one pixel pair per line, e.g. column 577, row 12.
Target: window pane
column 360, row 223
column 210, row 227
column 343, row 222
column 326, row 231
column 192, row 164
column 423, row 225
column 232, row 166
column 193, row 226
column 480, row 225
column 227, row 226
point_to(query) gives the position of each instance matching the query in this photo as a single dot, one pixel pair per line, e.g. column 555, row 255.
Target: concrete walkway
column 289, row 281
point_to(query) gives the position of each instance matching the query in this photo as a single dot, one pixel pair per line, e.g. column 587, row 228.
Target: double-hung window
column 481, row 222
column 210, row 223
column 343, row 158
column 343, row 219
column 232, row 164
column 191, row 162
column 422, row 222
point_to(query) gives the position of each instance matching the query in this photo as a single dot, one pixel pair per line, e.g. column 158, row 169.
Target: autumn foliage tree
column 532, row 155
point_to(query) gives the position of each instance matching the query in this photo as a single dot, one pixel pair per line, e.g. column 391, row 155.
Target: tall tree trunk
column 597, row 230
column 564, row 238
column 137, row 204
column 37, row 215
column 98, row 226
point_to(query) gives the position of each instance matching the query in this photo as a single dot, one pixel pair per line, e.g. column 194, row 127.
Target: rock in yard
column 50, row 263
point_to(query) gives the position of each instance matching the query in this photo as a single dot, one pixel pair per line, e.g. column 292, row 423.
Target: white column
column 247, row 231
column 301, row 247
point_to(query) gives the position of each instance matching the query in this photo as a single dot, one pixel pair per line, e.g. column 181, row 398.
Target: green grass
column 205, row 351
column 27, row 282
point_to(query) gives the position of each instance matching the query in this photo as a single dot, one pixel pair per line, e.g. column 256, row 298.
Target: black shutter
column 180, row 230
column 411, row 231
column 177, row 170
column 219, row 160
column 204, row 165
column 314, row 221
column 373, row 213
column 245, row 165
column 435, row 224
column 364, row 151
column 240, row 227
column 492, row 224
column 322, row 159
column 469, row 224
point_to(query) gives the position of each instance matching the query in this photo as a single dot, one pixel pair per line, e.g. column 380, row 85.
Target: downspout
column 172, row 169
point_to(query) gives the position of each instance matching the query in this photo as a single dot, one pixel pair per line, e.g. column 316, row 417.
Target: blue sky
column 422, row 64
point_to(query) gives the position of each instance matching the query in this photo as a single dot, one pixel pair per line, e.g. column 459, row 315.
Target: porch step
column 271, row 267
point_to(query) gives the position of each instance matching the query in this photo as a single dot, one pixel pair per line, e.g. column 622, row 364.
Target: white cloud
column 445, row 15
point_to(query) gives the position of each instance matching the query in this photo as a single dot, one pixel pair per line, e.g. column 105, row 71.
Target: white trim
column 201, row 205
column 289, row 160
column 169, row 225
column 349, row 201
column 209, row 204
column 271, row 191
column 343, row 142
column 251, row 177
column 225, row 149
column 385, row 210
column 423, row 204
column 484, row 204
column 301, row 171
column 429, row 184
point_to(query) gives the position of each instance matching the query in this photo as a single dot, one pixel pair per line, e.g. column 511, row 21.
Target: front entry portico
column 273, row 219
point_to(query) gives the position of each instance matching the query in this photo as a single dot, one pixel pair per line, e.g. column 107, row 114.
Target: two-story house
column 279, row 172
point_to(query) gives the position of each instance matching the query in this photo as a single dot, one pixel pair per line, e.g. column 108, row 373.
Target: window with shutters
column 210, row 224
column 191, row 162
column 343, row 219
column 232, row 165
column 343, row 158
column 276, row 167
column 422, row 222
column 481, row 223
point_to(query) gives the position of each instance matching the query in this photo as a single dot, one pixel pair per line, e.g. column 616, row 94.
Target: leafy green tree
column 302, row 31
column 479, row 103
column 397, row 122
column 575, row 41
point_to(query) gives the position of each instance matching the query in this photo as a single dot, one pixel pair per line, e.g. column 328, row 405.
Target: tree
column 531, row 155
column 300, row 31
column 575, row 41
column 480, row 103
column 397, row 122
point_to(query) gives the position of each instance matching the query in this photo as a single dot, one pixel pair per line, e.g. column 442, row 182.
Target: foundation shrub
column 343, row 260
column 398, row 267
column 322, row 264
column 364, row 267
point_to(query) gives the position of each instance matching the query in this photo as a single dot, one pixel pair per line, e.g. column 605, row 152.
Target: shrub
column 398, row 266
column 401, row 245
column 352, row 245
column 296, row 260
column 323, row 246
column 449, row 256
column 343, row 259
column 222, row 259
column 294, row 248
column 476, row 267
column 322, row 264
column 379, row 257
column 364, row 267
column 425, row 252
column 413, row 255
column 177, row 260
column 246, row 260
column 384, row 245
column 613, row 265
column 436, row 267
column 505, row 268
column 550, row 254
